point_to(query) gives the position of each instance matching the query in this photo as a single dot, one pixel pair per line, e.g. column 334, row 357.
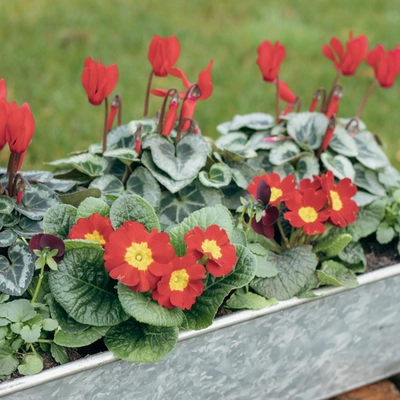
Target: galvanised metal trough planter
column 298, row 349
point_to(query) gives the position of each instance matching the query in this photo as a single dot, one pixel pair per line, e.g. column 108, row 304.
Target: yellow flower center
column 308, row 214
column 139, row 256
column 95, row 236
column 210, row 246
column 179, row 280
column 337, row 204
column 275, row 193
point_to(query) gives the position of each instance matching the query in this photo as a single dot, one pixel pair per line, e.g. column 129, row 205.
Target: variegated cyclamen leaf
column 363, row 198
column 28, row 227
column 368, row 180
column 284, row 152
column 7, row 238
column 257, row 121
column 174, row 208
column 108, row 184
column 219, row 175
column 308, row 128
column 6, row 205
column 182, row 161
column 133, row 208
column 284, row 170
column 142, row 183
column 342, row 143
column 148, row 125
column 307, row 166
column 59, row 185
column 89, row 164
column 257, row 142
column 203, row 218
column 339, row 165
column 242, row 174
column 295, row 267
column 261, row 162
column 136, row 342
column 125, row 155
column 36, row 201
column 16, row 276
column 59, row 220
column 37, row 176
column 369, row 152
column 233, row 140
column 171, row 184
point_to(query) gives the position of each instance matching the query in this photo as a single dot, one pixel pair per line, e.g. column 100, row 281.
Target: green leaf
column 142, row 183
column 385, row 233
column 133, row 208
column 79, row 243
column 203, row 218
column 307, row 166
column 58, row 353
column 333, row 273
column 261, row 162
column 67, row 324
column 180, row 162
column 175, row 208
column 242, row 174
column 30, row 334
column 368, row 220
column 16, row 276
column 84, row 290
column 265, row 269
column 92, row 205
column 7, row 238
column 342, row 143
column 20, row 310
column 76, row 198
column 339, row 165
column 171, row 184
column 49, row 324
column 248, row 301
column 89, row 164
column 31, row 364
column 308, row 128
column 368, row 180
column 108, row 184
column 6, row 205
column 27, row 227
column 234, row 148
column 136, row 342
column 257, row 121
column 125, row 155
column 333, row 245
column 354, row 258
column 59, row 220
column 219, row 175
column 36, row 201
column 284, row 152
column 295, row 267
column 145, row 310
column 8, row 362
column 369, row 152
column 202, row 313
column 82, row 338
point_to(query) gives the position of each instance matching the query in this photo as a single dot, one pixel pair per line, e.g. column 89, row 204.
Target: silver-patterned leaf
column 284, row 152
column 339, row 165
column 343, row 143
column 369, row 152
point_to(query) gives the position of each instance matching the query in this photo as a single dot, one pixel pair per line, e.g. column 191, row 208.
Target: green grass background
column 44, row 43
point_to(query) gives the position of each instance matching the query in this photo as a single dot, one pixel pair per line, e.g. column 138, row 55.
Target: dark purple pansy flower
column 42, row 241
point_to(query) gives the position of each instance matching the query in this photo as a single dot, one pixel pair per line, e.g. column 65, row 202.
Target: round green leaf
column 92, row 205
column 59, row 220
column 16, row 276
column 84, row 290
column 136, row 342
column 145, row 310
column 31, row 364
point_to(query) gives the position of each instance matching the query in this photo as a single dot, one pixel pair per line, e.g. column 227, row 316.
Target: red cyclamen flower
column 95, row 228
column 138, row 258
column 305, row 211
column 342, row 208
column 20, row 127
column 163, row 54
column 347, row 61
column 181, row 285
column 286, row 94
column 214, row 244
column 98, row 80
column 386, row 64
column 269, row 59
column 280, row 190
column 170, row 118
column 3, row 89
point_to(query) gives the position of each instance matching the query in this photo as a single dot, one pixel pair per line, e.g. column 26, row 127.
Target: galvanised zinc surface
column 299, row 349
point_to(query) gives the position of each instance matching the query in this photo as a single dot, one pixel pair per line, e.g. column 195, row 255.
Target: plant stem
column 329, row 97
column 278, row 108
column 285, row 239
column 39, row 284
column 119, row 110
column 360, row 110
column 105, row 125
column 146, row 101
column 44, row 341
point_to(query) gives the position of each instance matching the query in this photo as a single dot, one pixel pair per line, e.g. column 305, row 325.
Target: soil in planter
column 377, row 256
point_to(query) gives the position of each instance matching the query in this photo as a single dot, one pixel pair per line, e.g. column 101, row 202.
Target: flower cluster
column 311, row 205
column 146, row 261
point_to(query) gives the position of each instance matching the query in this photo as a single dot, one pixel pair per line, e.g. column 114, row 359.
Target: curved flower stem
column 39, row 284
column 105, row 125
column 171, row 91
column 278, row 107
column 146, row 101
column 329, row 97
column 285, row 239
column 119, row 110
column 127, row 174
column 360, row 110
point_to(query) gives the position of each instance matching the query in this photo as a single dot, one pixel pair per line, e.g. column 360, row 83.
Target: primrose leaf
column 59, row 220
column 80, row 339
column 333, row 273
column 353, row 257
column 92, row 205
column 84, row 290
column 58, row 353
column 249, row 301
column 136, row 342
column 295, row 267
column 333, row 245
column 145, row 310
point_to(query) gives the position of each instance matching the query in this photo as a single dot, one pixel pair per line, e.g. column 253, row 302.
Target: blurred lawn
column 44, row 44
